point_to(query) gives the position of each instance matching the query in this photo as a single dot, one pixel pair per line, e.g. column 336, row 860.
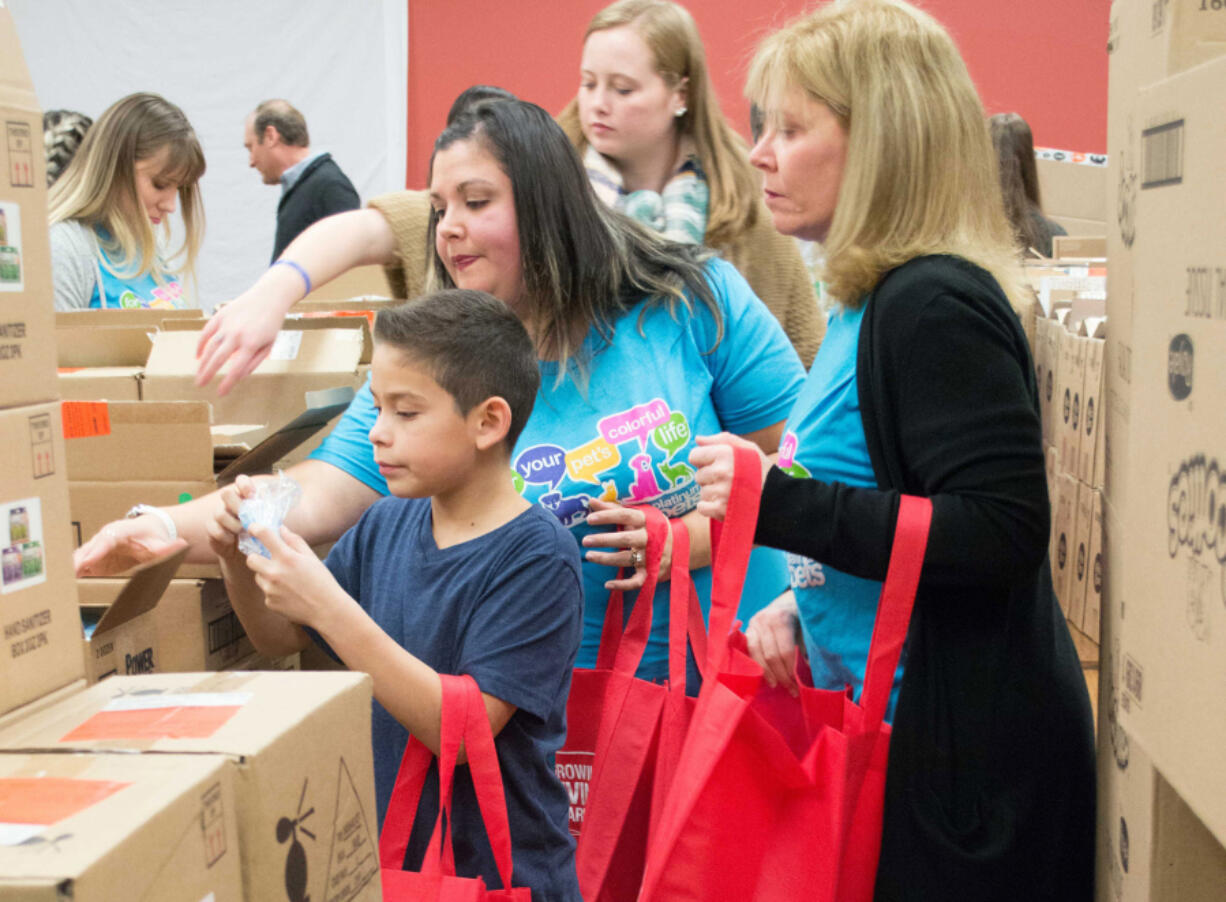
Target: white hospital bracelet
column 171, row 532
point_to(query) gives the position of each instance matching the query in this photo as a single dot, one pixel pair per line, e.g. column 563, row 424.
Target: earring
column 680, row 112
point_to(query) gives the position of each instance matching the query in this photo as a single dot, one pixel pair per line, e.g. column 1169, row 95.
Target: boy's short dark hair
column 473, row 346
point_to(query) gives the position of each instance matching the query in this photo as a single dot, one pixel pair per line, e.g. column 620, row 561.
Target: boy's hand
column 224, row 527
column 295, row 582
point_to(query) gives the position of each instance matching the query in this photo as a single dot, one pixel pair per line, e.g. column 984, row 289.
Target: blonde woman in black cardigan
column 924, row 386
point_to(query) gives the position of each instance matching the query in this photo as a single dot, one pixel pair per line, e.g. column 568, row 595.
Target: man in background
column 312, row 185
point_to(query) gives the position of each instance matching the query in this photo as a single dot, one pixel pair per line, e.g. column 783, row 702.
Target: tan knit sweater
column 770, row 263
column 408, row 214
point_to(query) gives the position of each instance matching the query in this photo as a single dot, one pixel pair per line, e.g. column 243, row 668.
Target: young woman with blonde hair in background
column 876, row 145
column 648, row 125
column 110, row 209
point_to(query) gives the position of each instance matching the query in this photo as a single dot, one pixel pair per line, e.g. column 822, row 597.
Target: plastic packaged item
column 273, row 499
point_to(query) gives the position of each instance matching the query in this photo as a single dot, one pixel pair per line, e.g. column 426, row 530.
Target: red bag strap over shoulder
column 731, row 544
column 622, row 649
column 894, row 608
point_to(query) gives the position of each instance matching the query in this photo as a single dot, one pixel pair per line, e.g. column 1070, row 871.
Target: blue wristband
column 301, row 271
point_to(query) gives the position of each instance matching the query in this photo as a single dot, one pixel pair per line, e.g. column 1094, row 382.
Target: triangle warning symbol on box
column 353, row 859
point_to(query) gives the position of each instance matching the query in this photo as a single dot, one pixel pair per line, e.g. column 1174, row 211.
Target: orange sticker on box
column 323, row 314
column 49, row 800
column 85, row 418
column 160, row 716
column 153, row 724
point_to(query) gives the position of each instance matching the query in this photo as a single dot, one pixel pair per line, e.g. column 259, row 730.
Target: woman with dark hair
column 643, row 344
column 1019, row 183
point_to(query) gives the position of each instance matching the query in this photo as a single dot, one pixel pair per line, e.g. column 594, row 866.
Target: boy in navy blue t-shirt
column 456, row 573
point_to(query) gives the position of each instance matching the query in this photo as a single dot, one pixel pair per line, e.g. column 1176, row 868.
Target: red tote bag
column 777, row 798
column 464, row 721
column 607, row 761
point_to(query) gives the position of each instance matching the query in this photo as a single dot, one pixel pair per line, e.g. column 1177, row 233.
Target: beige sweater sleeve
column 408, row 214
column 772, row 265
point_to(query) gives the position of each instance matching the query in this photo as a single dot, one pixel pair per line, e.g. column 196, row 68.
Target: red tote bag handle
column 731, row 544
column 486, row 775
column 411, row 779
column 894, row 608
column 684, row 612
column 622, row 649
column 732, row 541
column 464, row 722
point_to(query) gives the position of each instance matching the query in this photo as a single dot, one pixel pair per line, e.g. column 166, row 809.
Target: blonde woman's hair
column 920, row 176
column 672, row 37
column 98, row 188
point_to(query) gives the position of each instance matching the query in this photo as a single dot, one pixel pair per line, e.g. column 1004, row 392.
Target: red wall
column 1045, row 59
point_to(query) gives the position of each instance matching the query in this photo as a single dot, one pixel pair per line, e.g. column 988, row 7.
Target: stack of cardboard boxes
column 234, row 785
column 182, row 787
column 1068, row 352
column 1162, row 787
column 39, row 623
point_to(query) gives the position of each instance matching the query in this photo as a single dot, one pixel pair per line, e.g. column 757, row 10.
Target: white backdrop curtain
column 343, row 64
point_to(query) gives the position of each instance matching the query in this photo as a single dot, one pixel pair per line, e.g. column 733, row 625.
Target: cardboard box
column 1148, row 41
column 1174, row 633
column 1082, row 564
column 1076, row 226
column 1090, row 445
column 304, row 359
column 190, row 627
column 1079, row 247
column 165, row 453
column 95, row 504
column 101, row 361
column 1188, row 862
column 1126, row 781
column 97, row 828
column 127, row 317
column 1125, row 769
column 38, row 600
column 300, row 748
column 1090, row 621
column 1069, row 393
column 1047, row 336
column 27, row 346
column 1075, row 190
column 257, row 661
column 360, row 283
column 152, row 623
column 1063, row 552
column 153, row 441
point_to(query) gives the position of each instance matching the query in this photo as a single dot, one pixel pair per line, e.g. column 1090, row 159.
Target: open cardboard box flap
column 146, row 584
column 98, row 345
column 174, row 440
column 322, row 406
column 144, row 318
column 293, row 323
